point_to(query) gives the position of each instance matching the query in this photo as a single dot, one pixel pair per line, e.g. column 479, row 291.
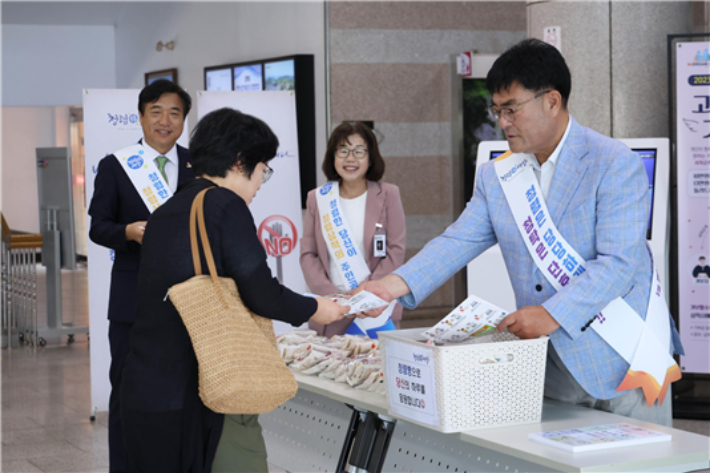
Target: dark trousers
column 119, row 338
column 181, row 441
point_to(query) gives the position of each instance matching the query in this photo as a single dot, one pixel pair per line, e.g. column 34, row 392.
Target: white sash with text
column 144, row 176
column 350, row 263
column 645, row 345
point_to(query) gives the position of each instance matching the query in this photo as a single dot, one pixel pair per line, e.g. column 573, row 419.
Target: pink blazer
column 384, row 206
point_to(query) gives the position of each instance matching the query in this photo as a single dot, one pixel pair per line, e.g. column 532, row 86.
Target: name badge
column 380, row 242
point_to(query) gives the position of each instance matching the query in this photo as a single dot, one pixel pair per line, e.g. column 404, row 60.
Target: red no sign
column 278, row 235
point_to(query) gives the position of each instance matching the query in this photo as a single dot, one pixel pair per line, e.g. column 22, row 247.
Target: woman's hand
column 328, row 311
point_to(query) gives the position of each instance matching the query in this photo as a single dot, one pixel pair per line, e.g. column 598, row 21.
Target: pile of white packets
column 350, row 359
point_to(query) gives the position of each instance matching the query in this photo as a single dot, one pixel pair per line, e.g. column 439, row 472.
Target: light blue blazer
column 599, row 201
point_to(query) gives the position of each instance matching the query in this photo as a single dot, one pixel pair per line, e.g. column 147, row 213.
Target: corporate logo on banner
column 701, row 58
column 513, row 172
column 135, row 161
column 122, row 118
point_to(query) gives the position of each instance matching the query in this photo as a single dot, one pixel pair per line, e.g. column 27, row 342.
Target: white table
column 307, row 434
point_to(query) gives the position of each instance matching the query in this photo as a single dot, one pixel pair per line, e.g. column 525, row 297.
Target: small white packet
column 363, row 301
column 374, row 376
column 380, row 380
column 311, row 359
column 290, row 352
column 320, row 367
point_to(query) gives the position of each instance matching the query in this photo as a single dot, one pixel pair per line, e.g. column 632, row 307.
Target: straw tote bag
column 240, row 370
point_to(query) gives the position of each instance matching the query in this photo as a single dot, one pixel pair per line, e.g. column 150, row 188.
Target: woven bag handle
column 193, row 235
column 197, row 219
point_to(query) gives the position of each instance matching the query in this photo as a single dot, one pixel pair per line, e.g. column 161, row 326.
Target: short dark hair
column 155, row 90
column 535, row 65
column 226, row 137
column 340, row 135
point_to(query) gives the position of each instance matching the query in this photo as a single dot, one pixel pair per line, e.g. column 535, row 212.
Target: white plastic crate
column 491, row 381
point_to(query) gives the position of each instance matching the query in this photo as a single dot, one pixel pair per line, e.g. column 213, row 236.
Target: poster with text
column 111, row 122
column 693, row 171
column 277, row 206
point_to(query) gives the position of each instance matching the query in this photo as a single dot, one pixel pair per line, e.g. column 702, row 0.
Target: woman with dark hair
column 354, row 229
column 167, row 428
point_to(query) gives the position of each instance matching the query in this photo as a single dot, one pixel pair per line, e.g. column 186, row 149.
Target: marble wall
column 390, row 62
column 617, row 53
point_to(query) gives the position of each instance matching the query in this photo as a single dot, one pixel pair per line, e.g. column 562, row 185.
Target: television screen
column 284, row 73
column 219, row 79
column 649, row 161
column 248, row 77
column 280, row 75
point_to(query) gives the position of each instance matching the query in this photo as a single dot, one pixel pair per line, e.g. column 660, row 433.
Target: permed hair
column 226, row 137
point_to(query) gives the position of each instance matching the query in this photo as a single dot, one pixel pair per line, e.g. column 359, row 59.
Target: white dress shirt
column 171, row 165
column 545, row 172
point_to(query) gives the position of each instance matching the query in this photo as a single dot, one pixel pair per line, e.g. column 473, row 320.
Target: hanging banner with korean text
column 692, row 63
column 111, row 123
column 277, row 206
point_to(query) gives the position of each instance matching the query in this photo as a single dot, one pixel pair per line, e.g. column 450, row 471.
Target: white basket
column 491, row 381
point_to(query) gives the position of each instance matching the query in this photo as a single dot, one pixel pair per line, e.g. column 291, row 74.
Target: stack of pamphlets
column 473, row 318
column 599, row 437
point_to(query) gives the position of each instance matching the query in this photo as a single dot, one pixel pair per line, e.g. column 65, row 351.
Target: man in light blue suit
column 596, row 191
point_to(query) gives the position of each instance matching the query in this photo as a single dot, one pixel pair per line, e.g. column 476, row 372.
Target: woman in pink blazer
column 353, row 160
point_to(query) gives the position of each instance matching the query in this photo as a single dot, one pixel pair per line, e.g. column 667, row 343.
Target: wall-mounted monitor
column 249, row 77
column 648, row 156
column 218, row 79
column 282, row 73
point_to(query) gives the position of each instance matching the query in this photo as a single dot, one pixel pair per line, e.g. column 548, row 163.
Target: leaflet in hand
column 360, row 302
column 599, row 437
column 473, row 318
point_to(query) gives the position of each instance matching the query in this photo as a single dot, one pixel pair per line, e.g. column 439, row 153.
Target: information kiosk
column 488, row 274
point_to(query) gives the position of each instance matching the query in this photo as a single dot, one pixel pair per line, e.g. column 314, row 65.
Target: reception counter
column 310, row 433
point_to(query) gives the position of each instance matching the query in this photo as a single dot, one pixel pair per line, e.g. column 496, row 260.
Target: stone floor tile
column 19, row 466
column 72, row 462
column 32, row 451
column 19, row 423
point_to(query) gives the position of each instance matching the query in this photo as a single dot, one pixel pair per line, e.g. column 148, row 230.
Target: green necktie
column 161, row 166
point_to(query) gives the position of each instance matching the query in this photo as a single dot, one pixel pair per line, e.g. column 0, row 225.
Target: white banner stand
column 277, row 207
column 111, row 122
column 692, row 130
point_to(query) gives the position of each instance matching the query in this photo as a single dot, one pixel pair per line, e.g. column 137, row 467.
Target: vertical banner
column 277, row 206
column 111, row 122
column 692, row 64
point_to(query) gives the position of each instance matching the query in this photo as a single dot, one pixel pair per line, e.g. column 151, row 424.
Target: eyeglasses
column 508, row 113
column 358, row 153
column 268, row 172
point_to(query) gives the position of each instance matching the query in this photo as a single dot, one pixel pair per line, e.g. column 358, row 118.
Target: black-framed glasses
column 358, row 153
column 268, row 172
column 508, row 113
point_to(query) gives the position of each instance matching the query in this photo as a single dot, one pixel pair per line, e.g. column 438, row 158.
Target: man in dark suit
column 118, row 219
